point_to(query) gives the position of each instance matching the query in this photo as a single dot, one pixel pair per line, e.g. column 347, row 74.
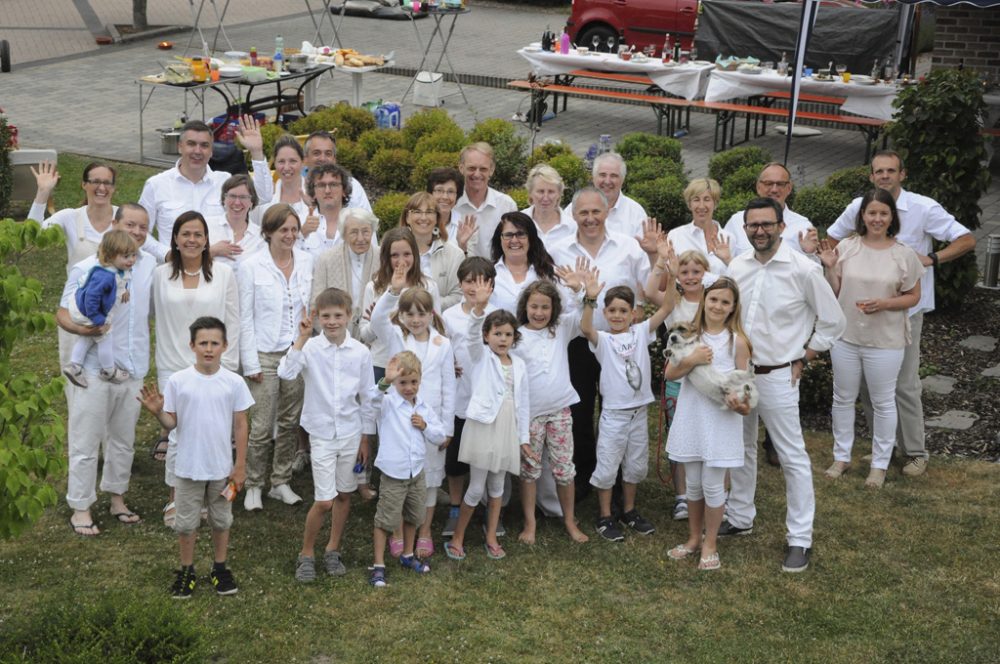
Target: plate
column 230, row 71
column 828, row 79
column 862, row 80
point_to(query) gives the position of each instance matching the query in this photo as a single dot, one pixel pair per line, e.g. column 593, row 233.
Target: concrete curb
column 153, row 31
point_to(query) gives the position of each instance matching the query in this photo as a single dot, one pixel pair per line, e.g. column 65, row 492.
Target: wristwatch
column 934, row 259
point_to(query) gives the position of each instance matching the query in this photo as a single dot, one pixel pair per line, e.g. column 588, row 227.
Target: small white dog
column 681, row 342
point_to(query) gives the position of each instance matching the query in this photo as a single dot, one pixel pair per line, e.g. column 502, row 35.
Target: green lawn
column 908, row 574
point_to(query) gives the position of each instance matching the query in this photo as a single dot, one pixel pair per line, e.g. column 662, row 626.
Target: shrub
column 391, row 168
column 374, row 140
column 8, row 141
column 508, row 148
column 663, row 199
column 732, row 204
column 352, row 156
column 936, row 131
column 650, row 167
column 574, row 174
column 342, row 120
column 520, row 196
column 388, row 209
column 424, row 122
column 546, row 151
column 724, row 164
column 741, row 181
column 821, row 205
column 642, row 144
column 119, row 628
column 445, row 139
column 270, row 133
column 816, row 386
column 427, row 163
column 851, row 181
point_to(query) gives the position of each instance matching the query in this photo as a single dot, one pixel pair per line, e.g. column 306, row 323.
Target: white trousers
column 482, row 481
column 705, row 482
column 879, row 367
column 622, row 442
column 779, row 408
column 103, row 416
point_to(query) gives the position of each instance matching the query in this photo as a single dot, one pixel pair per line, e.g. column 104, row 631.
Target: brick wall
column 969, row 34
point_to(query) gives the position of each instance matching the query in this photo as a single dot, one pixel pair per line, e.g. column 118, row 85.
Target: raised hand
column 398, row 281
column 311, row 224
column 151, row 399
column 392, row 370
column 46, row 179
column 651, row 233
column 592, row 282
column 827, row 253
column 466, row 229
column 722, row 250
column 305, row 327
column 249, row 135
column 481, row 296
column 809, row 240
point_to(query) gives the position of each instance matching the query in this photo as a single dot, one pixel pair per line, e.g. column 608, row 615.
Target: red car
column 643, row 22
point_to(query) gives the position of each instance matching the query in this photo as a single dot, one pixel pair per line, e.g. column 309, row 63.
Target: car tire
column 601, row 30
column 4, row 56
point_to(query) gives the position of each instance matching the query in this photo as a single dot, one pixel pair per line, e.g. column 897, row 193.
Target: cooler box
column 21, row 161
column 427, row 88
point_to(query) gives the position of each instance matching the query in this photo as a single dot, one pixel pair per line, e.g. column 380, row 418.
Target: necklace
column 192, row 274
column 287, row 263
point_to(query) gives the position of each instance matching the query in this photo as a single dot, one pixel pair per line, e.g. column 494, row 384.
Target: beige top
column 870, row 274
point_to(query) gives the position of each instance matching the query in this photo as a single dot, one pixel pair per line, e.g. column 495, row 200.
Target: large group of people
column 474, row 343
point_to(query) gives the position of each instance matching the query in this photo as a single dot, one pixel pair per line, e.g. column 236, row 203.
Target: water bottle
column 279, row 62
column 279, row 46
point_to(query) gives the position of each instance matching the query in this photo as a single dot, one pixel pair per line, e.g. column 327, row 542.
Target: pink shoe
column 395, row 547
column 425, row 547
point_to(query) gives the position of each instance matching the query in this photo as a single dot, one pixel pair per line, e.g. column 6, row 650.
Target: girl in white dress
column 704, row 438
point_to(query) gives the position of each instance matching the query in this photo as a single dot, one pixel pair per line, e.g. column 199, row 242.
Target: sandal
column 425, row 547
column 680, row 552
column 454, row 552
column 710, row 563
column 395, row 547
column 159, row 450
column 127, row 517
column 415, row 564
column 494, row 552
column 169, row 512
column 83, row 526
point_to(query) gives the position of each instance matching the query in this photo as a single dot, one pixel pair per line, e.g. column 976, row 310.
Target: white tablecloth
column 687, row 81
column 873, row 101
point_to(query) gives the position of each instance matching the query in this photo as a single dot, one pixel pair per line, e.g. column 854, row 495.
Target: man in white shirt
column 105, row 413
column 622, row 262
column 321, row 150
column 791, row 315
column 476, row 164
column 192, row 185
column 775, row 182
column 920, row 219
column 625, row 216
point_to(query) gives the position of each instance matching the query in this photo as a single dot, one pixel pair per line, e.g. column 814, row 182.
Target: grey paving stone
column 959, row 420
column 939, row 384
column 978, row 342
column 992, row 372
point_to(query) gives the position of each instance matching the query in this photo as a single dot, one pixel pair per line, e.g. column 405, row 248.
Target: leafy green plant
column 640, row 144
column 546, row 151
column 7, row 143
column 352, row 156
column 936, row 131
column 741, row 181
column 374, row 140
column 663, row 199
column 446, row 139
column 520, row 196
column 425, row 122
column 821, row 205
column 509, row 151
column 391, row 168
column 388, row 209
column 428, row 162
column 816, row 386
column 852, row 181
column 342, row 120
column 574, row 174
column 270, row 133
column 650, row 167
column 733, row 203
column 31, row 432
column 724, row 164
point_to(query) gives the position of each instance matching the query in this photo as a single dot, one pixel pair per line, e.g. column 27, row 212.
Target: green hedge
column 724, row 164
column 509, row 151
column 663, row 199
column 642, row 144
column 388, row 209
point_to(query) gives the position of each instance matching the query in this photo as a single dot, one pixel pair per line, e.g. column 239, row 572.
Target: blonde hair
column 479, row 146
column 115, row 244
column 733, row 321
column 693, row 256
column 408, row 363
column 700, row 186
column 545, row 173
column 421, row 300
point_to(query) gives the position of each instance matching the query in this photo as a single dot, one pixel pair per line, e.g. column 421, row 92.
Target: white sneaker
column 284, row 493
column 252, row 502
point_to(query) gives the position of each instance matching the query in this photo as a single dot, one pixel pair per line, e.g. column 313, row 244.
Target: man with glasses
column 791, row 315
column 192, row 185
column 321, row 150
column 775, row 182
column 329, row 187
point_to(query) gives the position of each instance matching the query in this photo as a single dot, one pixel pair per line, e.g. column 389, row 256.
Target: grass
column 908, row 574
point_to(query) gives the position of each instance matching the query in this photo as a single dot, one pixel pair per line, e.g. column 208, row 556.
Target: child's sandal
column 494, row 552
column 710, row 563
column 395, row 547
column 680, row 552
column 425, row 547
column 415, row 564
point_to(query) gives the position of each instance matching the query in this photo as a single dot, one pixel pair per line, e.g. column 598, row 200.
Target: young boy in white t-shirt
column 338, row 412
column 207, row 404
column 623, row 433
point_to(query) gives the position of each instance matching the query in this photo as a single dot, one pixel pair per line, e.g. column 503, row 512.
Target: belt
column 768, row 369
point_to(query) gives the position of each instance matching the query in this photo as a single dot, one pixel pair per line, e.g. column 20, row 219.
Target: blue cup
column 808, row 72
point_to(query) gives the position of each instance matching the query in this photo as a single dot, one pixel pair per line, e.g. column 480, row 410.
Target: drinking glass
column 611, row 43
column 596, row 41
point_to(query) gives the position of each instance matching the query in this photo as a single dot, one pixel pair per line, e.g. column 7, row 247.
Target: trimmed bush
column 546, row 151
column 741, row 181
column 509, row 150
column 732, row 204
column 851, row 181
column 425, row 122
column 724, row 164
column 651, row 167
column 642, row 144
column 270, row 133
column 388, row 208
column 816, row 387
column 352, row 156
column 663, row 199
column 391, row 168
column 427, row 163
column 342, row 120
column 446, row 139
column 374, row 140
column 574, row 174
column 520, row 196
column 821, row 205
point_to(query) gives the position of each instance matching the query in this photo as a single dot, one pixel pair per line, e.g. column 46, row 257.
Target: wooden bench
column 676, row 112
column 612, row 77
column 726, row 114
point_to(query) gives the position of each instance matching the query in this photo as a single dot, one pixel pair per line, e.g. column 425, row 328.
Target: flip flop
column 76, row 528
column 494, row 553
column 126, row 516
column 159, row 450
column 680, row 552
column 710, row 563
column 454, row 552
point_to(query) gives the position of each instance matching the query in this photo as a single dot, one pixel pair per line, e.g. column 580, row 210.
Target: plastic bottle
column 665, row 53
column 279, row 46
column 279, row 61
column 564, row 43
column 253, row 56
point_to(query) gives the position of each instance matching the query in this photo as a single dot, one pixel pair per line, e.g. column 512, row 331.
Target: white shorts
column 622, row 442
column 434, row 460
column 333, row 464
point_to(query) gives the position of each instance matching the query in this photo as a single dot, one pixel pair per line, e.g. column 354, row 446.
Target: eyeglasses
column 425, row 212
column 767, row 226
column 328, row 185
column 781, row 184
column 238, row 197
column 445, row 192
column 98, row 183
column 520, row 235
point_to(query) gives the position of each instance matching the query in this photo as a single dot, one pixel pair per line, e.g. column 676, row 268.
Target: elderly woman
column 233, row 237
column 545, row 190
column 704, row 233
column 447, row 185
column 350, row 265
column 275, row 285
column 287, row 164
column 439, row 259
column 329, row 187
column 189, row 285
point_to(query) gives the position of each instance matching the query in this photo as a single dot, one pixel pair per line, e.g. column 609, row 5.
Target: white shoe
column 284, row 493
column 252, row 502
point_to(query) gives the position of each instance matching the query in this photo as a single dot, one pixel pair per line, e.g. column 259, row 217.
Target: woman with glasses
column 439, row 259
column 704, row 234
column 447, row 185
column 520, row 258
column 233, row 237
column 350, row 265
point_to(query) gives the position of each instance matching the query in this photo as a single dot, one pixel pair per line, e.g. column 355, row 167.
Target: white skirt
column 493, row 447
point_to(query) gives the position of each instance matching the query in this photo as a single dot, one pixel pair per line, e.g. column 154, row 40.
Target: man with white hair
column 625, row 216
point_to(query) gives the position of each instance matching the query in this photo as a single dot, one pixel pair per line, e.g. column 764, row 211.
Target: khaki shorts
column 400, row 500
column 191, row 495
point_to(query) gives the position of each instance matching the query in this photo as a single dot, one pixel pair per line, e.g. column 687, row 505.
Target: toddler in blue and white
column 101, row 293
